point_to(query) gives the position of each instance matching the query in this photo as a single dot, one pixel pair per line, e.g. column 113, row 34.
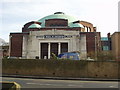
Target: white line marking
column 39, row 84
column 71, row 85
column 74, row 85
column 111, row 86
column 30, row 83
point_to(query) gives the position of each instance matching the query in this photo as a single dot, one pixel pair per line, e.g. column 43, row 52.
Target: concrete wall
column 62, row 68
column 83, row 47
column 116, row 45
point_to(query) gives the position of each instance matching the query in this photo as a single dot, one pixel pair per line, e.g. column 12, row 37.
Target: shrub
column 105, row 55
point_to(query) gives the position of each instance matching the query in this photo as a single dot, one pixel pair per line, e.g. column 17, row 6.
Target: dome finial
column 59, row 13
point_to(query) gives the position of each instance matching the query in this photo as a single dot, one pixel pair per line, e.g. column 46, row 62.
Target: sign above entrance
column 55, row 36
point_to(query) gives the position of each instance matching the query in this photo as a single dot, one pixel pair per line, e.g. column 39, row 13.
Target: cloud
column 15, row 13
column 31, row 8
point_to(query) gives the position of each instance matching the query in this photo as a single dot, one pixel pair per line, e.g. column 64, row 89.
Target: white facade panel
column 32, row 48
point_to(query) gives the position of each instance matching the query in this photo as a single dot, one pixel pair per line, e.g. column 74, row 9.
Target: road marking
column 111, row 86
column 31, row 83
column 39, row 84
column 74, row 85
column 70, row 85
column 44, row 84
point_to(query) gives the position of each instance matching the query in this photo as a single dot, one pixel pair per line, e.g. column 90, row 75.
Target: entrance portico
column 47, row 48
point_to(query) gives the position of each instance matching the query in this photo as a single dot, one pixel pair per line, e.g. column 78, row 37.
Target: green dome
column 34, row 26
column 76, row 25
column 60, row 15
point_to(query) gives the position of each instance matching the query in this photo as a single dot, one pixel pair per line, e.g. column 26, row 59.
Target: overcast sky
column 103, row 14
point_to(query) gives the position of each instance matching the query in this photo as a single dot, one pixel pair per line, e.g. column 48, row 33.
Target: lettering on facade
column 54, row 36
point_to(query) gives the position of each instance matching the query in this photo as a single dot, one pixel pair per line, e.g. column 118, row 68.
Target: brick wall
column 90, row 38
column 56, row 22
column 16, row 40
column 90, row 41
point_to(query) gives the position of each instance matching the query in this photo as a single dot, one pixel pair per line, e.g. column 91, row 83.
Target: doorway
column 64, row 47
column 44, row 50
column 54, row 49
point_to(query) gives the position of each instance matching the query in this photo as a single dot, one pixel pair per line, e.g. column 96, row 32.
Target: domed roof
column 76, row 25
column 34, row 26
column 59, row 15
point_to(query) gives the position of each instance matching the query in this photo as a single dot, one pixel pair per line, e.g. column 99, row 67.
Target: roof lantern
column 58, row 13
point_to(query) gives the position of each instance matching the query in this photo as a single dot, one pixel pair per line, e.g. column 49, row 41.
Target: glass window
column 105, row 48
column 104, row 39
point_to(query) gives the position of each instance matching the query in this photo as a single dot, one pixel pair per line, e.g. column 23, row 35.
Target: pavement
column 62, row 78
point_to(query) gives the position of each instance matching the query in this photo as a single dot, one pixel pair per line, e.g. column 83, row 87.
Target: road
column 47, row 83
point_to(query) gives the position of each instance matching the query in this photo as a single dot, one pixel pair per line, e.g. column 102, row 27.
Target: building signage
column 54, row 36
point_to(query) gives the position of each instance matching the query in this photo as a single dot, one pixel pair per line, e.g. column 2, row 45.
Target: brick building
column 106, row 43
column 56, row 33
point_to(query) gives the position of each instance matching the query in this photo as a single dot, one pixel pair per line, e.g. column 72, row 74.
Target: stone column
column 24, row 48
column 87, row 29
column 83, row 47
column 59, row 48
column 10, row 40
column 48, row 50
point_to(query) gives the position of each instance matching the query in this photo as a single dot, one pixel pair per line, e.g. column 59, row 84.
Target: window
column 105, row 48
column 104, row 39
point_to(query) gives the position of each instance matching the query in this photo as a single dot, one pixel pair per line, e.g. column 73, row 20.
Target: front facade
column 56, row 33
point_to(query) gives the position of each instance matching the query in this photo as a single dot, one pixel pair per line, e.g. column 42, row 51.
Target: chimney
column 95, row 29
column 108, row 35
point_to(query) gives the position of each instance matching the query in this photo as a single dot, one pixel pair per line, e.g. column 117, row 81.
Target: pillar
column 48, row 50
column 59, row 48
column 87, row 29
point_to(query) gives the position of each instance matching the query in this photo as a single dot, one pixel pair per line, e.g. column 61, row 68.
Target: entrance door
column 44, row 50
column 54, row 49
column 64, row 47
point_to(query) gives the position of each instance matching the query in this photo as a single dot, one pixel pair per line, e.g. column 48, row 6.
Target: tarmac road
column 49, row 83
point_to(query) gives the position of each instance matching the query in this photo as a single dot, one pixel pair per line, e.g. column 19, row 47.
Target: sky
column 103, row 14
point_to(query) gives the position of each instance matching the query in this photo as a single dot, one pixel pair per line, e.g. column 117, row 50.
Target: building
column 4, row 49
column 106, row 43
column 116, row 45
column 56, row 33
